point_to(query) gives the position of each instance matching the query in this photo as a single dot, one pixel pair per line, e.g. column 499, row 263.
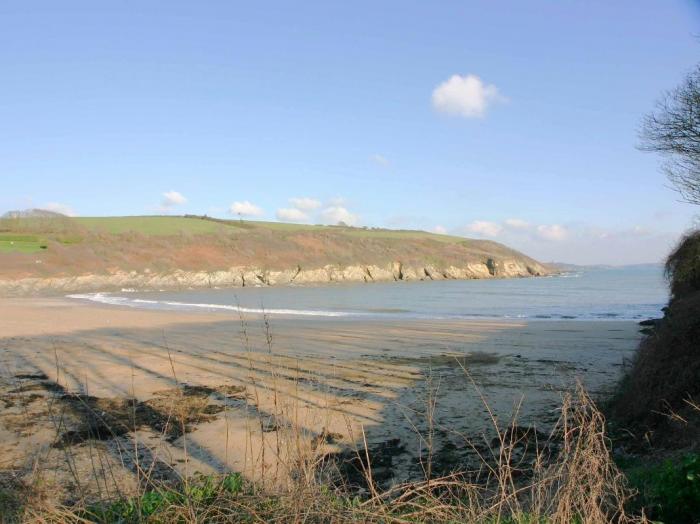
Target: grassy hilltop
column 54, row 245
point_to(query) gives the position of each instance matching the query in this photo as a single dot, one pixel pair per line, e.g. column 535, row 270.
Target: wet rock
column 353, row 465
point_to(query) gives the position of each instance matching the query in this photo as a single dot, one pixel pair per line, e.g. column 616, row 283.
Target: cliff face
column 248, row 276
column 232, row 254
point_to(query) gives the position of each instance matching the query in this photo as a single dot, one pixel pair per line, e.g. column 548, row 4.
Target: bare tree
column 673, row 129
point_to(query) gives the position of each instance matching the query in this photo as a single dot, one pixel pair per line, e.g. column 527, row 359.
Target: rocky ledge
column 247, row 276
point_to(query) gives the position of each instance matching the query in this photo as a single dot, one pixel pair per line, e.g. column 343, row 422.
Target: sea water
column 628, row 293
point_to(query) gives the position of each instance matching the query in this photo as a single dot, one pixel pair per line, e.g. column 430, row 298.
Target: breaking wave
column 106, row 298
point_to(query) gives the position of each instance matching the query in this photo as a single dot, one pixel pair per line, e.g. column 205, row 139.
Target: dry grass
column 570, row 477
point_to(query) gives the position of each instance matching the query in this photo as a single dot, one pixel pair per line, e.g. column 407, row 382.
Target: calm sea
column 631, row 293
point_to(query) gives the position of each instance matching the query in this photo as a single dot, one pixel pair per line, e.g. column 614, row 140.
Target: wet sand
column 257, row 385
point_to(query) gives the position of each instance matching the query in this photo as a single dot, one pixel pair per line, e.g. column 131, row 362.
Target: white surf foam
column 106, row 298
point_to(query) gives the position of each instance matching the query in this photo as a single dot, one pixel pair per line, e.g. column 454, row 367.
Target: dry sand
column 213, row 392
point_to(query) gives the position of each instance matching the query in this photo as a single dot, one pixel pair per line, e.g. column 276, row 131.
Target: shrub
column 683, row 266
column 663, row 378
column 202, row 490
column 668, row 492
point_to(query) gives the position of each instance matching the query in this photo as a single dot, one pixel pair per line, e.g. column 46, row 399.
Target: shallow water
column 630, row 293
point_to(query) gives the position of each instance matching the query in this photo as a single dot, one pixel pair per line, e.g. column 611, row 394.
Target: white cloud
column 514, row 228
column 590, row 244
column 291, row 214
column 336, row 201
column 485, row 228
column 59, row 208
column 552, row 232
column 172, row 199
column 245, row 209
column 305, row 203
column 334, row 214
column 380, row 160
column 516, row 223
column 465, row 96
column 578, row 242
column 440, row 230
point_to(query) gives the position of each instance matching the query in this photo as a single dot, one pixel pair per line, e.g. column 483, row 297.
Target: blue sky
column 515, row 121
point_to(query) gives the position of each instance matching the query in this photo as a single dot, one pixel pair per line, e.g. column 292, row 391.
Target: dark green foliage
column 669, row 492
column 201, row 491
column 662, row 381
column 663, row 377
column 683, row 266
column 10, row 505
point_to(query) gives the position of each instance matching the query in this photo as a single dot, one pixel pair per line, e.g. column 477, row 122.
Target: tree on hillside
column 673, row 129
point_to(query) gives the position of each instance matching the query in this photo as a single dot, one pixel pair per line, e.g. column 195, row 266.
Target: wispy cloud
column 59, row 208
column 302, row 206
column 485, row 228
column 170, row 200
column 246, row 209
column 440, row 230
column 380, row 160
column 577, row 242
column 291, row 214
column 465, row 96
column 305, row 203
column 336, row 214
column 516, row 223
column 173, row 198
column 336, row 201
column 306, row 209
column 553, row 232
column 517, row 226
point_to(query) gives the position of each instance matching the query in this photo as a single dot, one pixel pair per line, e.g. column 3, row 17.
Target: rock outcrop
column 256, row 277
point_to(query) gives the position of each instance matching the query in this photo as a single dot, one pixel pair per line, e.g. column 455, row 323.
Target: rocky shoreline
column 251, row 276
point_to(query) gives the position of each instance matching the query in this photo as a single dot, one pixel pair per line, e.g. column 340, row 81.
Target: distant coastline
column 567, row 267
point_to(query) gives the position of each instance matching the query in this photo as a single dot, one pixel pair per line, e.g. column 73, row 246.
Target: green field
column 10, row 243
column 148, row 225
column 28, row 235
column 352, row 231
column 400, row 234
column 166, row 225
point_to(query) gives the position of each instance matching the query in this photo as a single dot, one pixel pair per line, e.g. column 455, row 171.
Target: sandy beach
column 255, row 396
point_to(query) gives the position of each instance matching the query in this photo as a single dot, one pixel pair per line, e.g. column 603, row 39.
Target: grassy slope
column 147, row 225
column 20, row 243
column 176, row 225
column 163, row 243
column 169, row 225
